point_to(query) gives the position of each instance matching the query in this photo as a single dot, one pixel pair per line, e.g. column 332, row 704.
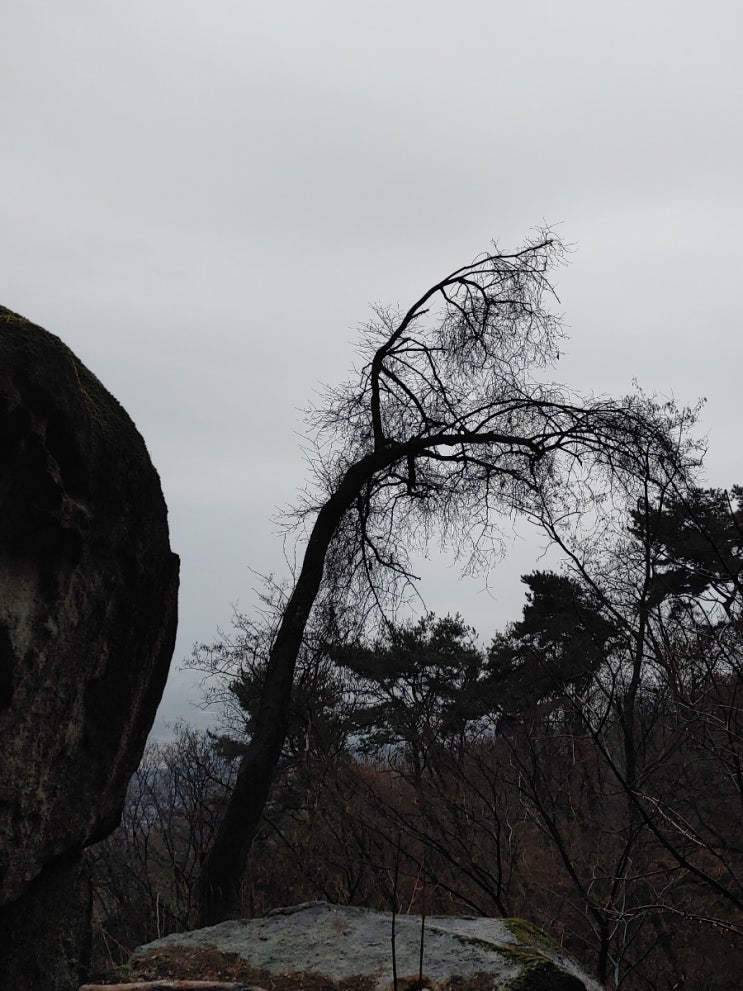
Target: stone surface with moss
column 331, row 945
column 88, row 605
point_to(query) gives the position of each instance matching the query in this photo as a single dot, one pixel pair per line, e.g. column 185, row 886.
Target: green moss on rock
column 531, row 935
column 538, row 972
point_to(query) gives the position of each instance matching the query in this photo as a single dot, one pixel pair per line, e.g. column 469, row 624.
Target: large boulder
column 322, row 947
column 88, row 609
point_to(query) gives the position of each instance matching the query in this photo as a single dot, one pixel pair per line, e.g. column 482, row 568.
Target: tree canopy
column 560, row 642
column 418, row 686
column 699, row 537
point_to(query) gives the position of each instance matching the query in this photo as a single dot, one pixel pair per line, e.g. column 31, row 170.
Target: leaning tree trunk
column 226, row 861
column 225, row 864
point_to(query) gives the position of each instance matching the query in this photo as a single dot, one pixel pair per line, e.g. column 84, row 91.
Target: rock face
column 316, row 945
column 88, row 608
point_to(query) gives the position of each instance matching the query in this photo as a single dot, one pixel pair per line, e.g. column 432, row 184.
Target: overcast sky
column 202, row 200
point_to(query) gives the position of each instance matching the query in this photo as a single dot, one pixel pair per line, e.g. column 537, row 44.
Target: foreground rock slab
column 320, row 946
column 88, row 604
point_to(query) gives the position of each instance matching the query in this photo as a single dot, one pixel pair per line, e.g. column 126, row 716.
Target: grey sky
column 202, row 199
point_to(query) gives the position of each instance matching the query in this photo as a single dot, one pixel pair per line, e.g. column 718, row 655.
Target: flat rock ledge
column 316, row 946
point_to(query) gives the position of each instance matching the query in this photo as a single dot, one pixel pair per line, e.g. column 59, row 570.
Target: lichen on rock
column 332, row 945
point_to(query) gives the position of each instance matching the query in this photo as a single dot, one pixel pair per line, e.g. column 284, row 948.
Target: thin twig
column 423, row 923
column 394, row 913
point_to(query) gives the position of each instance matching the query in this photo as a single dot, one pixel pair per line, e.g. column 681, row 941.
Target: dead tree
column 450, row 426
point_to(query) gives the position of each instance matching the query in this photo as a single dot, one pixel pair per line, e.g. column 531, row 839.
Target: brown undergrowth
column 208, row 963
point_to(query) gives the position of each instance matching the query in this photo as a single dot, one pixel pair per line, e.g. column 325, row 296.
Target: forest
column 582, row 770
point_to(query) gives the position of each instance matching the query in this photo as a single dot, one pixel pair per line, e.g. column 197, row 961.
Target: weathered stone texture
column 45, row 935
column 317, row 945
column 88, row 606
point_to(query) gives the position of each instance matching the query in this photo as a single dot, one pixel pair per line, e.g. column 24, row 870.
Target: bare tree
column 146, row 873
column 449, row 426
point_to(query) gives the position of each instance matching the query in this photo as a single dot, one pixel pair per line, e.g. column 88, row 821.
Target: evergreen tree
column 558, row 644
column 420, row 688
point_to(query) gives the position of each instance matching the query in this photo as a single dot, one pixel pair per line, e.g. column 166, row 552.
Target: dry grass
column 208, row 963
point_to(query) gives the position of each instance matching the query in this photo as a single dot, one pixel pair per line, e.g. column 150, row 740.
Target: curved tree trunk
column 225, row 864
